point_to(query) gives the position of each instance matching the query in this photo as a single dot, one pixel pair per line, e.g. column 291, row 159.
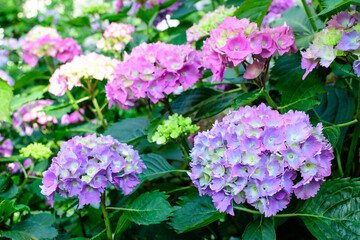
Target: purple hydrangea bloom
column 342, row 20
column 349, row 41
column 255, row 154
column 85, row 166
column 275, row 10
column 6, row 147
column 356, row 67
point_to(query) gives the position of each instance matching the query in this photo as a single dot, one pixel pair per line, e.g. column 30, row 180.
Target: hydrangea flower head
column 235, row 40
column 258, row 156
column 36, row 151
column 340, row 37
column 173, row 128
column 15, row 167
column 152, row 70
column 85, row 166
column 6, row 147
column 207, row 22
column 116, row 36
column 74, row 117
column 31, row 116
column 41, row 41
column 86, row 67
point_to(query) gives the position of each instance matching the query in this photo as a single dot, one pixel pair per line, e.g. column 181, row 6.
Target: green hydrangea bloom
column 328, row 36
column 173, row 128
column 207, row 22
column 36, row 151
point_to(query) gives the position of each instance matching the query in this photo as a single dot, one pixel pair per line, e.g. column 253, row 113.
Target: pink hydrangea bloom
column 31, row 117
column 74, row 117
column 46, row 41
column 116, row 36
column 258, row 156
column 87, row 67
column 235, row 41
column 152, row 70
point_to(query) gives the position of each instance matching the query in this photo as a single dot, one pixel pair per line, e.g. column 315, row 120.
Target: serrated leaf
column 334, row 212
column 331, row 133
column 6, row 95
column 29, row 77
column 156, row 166
column 247, row 98
column 122, row 225
column 260, row 229
column 285, row 68
column 31, row 94
column 149, row 208
column 334, row 6
column 194, row 212
column 191, row 100
column 217, row 105
column 8, row 207
column 128, row 129
column 253, row 9
column 35, row 227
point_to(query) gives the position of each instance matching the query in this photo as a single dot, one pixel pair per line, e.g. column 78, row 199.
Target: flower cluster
column 74, row 117
column 36, row 151
column 275, row 10
column 86, row 67
column 255, row 154
column 209, row 21
column 6, row 147
column 41, row 41
column 4, row 76
column 31, row 117
column 85, row 166
column 116, row 36
column 235, row 41
column 172, row 128
column 11, row 43
column 153, row 70
column 339, row 38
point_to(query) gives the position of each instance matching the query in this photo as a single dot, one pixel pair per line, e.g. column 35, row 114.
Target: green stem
column 27, row 175
column 106, row 217
column 72, row 100
column 213, row 4
column 167, row 105
column 309, row 15
column 179, row 189
column 98, row 111
column 338, row 159
column 269, row 99
column 347, row 123
column 354, row 142
column 243, row 209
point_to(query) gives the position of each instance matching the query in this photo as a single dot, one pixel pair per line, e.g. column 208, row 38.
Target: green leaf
column 79, row 22
column 331, row 133
column 247, row 98
column 301, row 95
column 128, row 130
column 194, row 212
column 30, row 94
column 148, row 15
column 285, row 68
column 151, row 129
column 216, row 105
column 156, row 166
column 149, row 208
column 6, row 95
column 12, row 159
column 334, row 6
column 35, row 227
column 191, row 100
column 253, row 9
column 334, row 213
column 260, row 229
column 8, row 207
column 297, row 19
column 29, row 77
column 122, row 225
column 58, row 110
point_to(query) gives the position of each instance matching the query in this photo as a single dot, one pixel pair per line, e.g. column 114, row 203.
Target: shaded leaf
column 334, row 213
column 331, row 133
column 260, row 229
column 334, row 6
column 79, row 22
column 128, row 129
column 194, row 212
column 156, row 166
column 8, row 207
column 122, row 225
column 247, row 98
column 149, row 208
